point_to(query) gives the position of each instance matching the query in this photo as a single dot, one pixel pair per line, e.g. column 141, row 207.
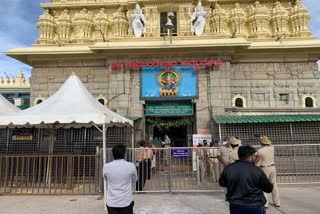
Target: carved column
column 218, row 21
column 82, row 25
column 259, row 19
column 101, row 26
column 46, row 26
column 280, row 20
column 120, row 23
column 184, row 22
column 238, row 20
column 300, row 18
column 64, row 27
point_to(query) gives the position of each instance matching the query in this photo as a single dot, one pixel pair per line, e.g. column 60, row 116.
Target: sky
column 18, row 20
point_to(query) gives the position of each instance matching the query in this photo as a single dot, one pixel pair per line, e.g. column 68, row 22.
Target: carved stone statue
column 218, row 21
column 280, row 20
column 101, row 25
column 300, row 18
column 82, row 25
column 120, row 23
column 64, row 27
column 138, row 22
column 238, row 20
column 198, row 20
column 46, row 26
column 259, row 19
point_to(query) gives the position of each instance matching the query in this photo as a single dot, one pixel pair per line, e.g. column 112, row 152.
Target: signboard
column 169, row 108
column 170, row 82
column 196, row 139
column 22, row 135
column 169, row 63
column 180, row 153
column 199, row 138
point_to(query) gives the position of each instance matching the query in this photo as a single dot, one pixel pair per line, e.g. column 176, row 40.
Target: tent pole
column 104, row 131
column 8, row 138
column 48, row 179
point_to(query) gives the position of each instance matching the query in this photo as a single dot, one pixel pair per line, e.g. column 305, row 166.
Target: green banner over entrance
column 169, row 108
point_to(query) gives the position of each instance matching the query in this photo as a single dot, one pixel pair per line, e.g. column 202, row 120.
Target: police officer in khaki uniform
column 213, row 162
column 266, row 162
column 234, row 142
column 224, row 152
column 202, row 155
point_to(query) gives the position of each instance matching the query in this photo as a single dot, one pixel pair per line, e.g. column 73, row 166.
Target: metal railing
column 169, row 170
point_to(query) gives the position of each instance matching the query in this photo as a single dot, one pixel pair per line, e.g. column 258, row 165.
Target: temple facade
column 172, row 66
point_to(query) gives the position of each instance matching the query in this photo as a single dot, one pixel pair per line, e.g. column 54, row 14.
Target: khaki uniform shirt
column 167, row 142
column 224, row 153
column 267, row 156
column 234, row 154
column 202, row 153
column 213, row 154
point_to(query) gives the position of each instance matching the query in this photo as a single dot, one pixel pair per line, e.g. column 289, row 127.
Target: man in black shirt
column 245, row 184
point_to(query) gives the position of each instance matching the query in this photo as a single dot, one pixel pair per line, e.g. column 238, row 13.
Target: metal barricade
column 50, row 174
column 168, row 170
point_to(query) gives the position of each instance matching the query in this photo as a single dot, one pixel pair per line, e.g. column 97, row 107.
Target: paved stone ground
column 294, row 199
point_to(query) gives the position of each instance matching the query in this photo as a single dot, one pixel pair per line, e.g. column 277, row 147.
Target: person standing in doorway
column 120, row 176
column 245, row 183
column 266, row 163
column 235, row 143
column 166, row 144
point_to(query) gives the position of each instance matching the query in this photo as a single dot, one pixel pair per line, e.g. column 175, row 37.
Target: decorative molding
column 15, row 82
column 85, row 21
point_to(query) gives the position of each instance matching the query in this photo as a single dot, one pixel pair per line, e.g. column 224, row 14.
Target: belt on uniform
column 212, row 157
column 268, row 165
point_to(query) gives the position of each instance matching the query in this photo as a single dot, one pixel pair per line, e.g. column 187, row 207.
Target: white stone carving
column 198, row 19
column 46, row 26
column 138, row 22
column 238, row 20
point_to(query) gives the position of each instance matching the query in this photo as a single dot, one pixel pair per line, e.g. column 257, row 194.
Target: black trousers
column 121, row 210
column 238, row 209
column 142, row 169
column 149, row 169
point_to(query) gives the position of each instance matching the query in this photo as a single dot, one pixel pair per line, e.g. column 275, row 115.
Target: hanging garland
column 162, row 124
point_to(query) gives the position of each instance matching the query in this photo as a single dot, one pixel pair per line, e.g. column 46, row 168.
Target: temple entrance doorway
column 178, row 129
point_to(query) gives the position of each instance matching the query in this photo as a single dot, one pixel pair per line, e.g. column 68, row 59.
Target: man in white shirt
column 120, row 176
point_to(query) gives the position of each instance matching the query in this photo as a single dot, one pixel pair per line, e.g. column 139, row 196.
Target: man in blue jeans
column 245, row 183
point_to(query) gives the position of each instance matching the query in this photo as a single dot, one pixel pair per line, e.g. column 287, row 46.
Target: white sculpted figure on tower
column 198, row 20
column 138, row 22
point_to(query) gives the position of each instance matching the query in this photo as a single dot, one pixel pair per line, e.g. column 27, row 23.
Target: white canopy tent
column 72, row 105
column 7, row 108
